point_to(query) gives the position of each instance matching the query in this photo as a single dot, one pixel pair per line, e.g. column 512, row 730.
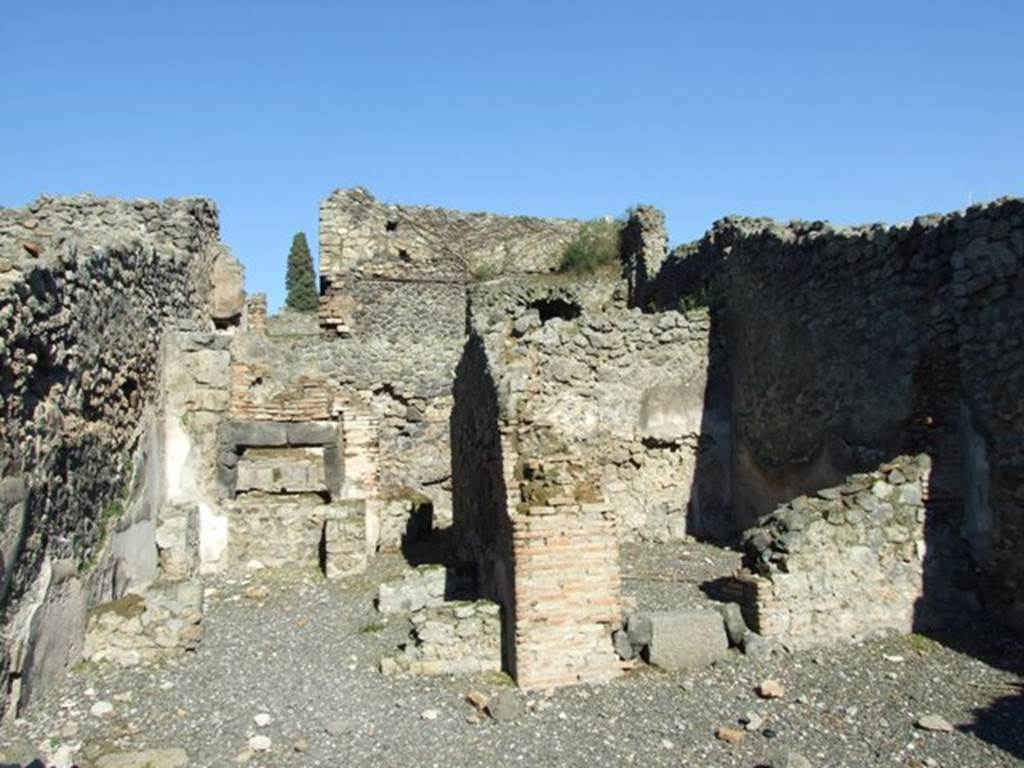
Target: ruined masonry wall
column 392, row 398
column 845, row 563
column 87, row 288
column 849, row 346
column 397, row 271
column 622, row 391
column 400, row 242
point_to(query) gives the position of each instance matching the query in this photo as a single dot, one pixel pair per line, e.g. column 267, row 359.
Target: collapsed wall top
column 359, row 235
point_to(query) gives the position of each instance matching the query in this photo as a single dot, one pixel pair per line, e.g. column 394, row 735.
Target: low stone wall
column 423, row 587
column 460, row 637
column 842, row 564
column 162, row 623
column 297, row 533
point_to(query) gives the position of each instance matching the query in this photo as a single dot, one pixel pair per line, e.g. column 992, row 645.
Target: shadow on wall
column 481, row 523
column 951, row 609
column 710, row 514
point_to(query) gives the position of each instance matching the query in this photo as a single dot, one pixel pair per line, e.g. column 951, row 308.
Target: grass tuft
column 597, row 246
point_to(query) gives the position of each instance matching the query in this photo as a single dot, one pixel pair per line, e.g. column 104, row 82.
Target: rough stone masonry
column 844, row 401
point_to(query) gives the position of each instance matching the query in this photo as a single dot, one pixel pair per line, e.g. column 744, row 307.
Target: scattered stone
column 300, row 746
column 338, row 728
column 735, row 626
column 69, row 730
column 429, row 714
column 624, row 648
column 257, row 592
column 478, row 700
column 666, row 744
column 752, row 721
column 934, row 723
column 101, row 709
column 504, row 707
column 260, row 743
column 771, row 689
column 255, row 565
column 263, row 719
column 755, row 646
column 687, row 639
column 790, row 760
column 730, row 735
column 149, row 758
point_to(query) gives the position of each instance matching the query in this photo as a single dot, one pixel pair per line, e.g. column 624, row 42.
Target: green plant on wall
column 105, row 522
column 301, row 279
column 595, row 247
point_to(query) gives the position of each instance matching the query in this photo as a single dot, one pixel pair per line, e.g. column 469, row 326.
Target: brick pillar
column 567, row 592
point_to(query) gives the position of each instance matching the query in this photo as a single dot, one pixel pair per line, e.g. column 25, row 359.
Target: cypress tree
column 301, row 280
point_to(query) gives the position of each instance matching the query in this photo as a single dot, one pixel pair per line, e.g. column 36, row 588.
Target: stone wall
column 458, row 637
column 988, row 301
column 398, row 271
column 391, row 399
column 577, row 423
column 848, row 346
column 842, row 564
column 87, row 288
column 361, row 236
column 630, row 395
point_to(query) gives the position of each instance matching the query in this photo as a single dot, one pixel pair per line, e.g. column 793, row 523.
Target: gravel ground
column 307, row 656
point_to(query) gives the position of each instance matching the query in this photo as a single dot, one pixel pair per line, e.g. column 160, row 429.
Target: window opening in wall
column 552, row 308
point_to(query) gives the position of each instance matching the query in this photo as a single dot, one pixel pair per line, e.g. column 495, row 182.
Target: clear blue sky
column 852, row 111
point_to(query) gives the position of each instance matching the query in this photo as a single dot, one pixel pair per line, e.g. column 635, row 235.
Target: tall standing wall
column 87, row 288
column 849, row 346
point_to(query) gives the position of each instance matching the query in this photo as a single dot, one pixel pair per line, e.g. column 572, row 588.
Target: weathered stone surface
column 623, row 647
column 790, row 760
column 841, row 573
column 454, row 638
column 735, row 626
column 934, row 723
column 686, row 640
column 422, row 588
column 255, row 433
column 228, row 296
column 83, row 313
column 312, row 433
column 504, row 706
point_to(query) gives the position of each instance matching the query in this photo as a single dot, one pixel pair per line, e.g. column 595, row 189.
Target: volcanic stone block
column 312, row 433
column 686, row 640
column 254, row 433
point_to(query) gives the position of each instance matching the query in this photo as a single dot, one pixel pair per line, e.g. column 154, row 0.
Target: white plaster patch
column 179, row 476
column 213, row 539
